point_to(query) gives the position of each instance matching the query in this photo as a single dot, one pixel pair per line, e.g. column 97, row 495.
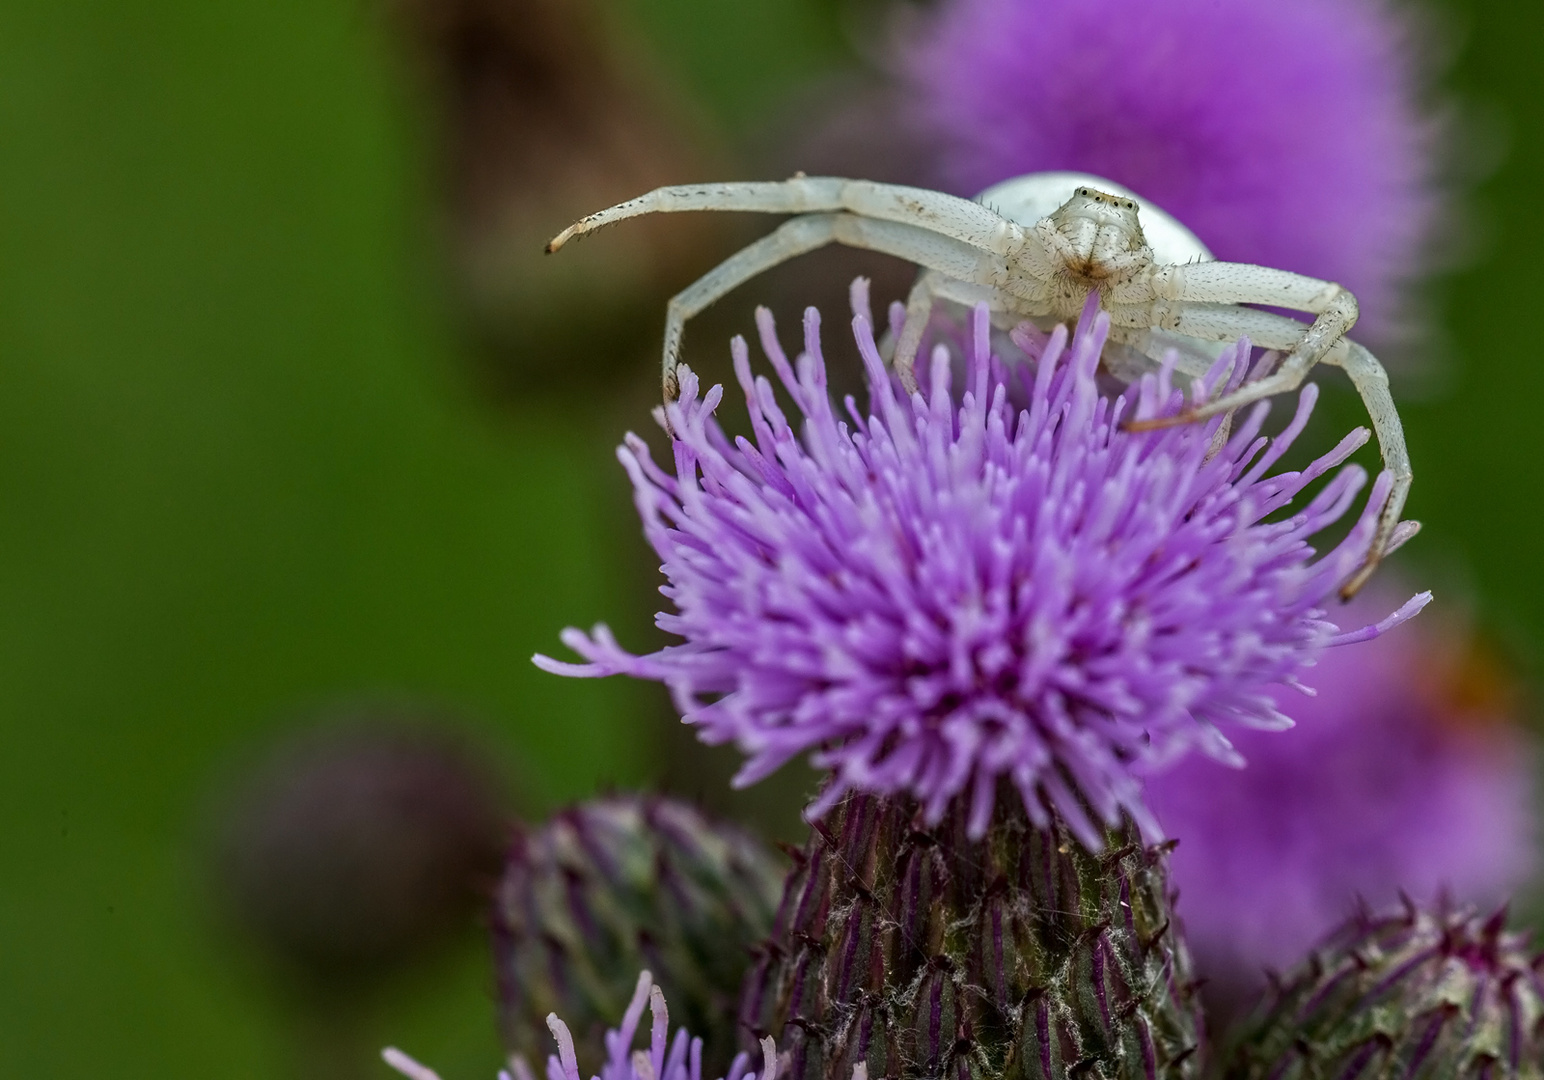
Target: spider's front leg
column 1019, row 286
column 958, row 219
column 944, row 256
column 1333, row 307
column 1223, row 322
column 1372, row 383
column 1008, row 310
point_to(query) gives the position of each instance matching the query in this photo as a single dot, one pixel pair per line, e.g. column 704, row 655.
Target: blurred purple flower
column 1391, row 782
column 952, row 592
column 678, row 1058
column 1285, row 134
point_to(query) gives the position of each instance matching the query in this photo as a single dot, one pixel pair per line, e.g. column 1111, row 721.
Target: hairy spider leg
column 959, row 219
column 1333, row 307
column 947, row 256
column 1271, row 331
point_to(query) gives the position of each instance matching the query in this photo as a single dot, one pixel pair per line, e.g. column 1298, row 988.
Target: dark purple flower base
column 919, row 952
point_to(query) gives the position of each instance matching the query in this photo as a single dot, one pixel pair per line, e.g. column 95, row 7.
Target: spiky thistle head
column 997, row 583
column 619, row 883
column 910, row 951
column 1413, row 995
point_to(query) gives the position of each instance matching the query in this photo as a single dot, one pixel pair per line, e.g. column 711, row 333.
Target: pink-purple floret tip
column 935, row 594
column 667, row 1058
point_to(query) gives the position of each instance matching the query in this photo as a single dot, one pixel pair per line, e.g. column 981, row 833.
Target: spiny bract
column 621, row 883
column 1414, row 995
column 917, row 952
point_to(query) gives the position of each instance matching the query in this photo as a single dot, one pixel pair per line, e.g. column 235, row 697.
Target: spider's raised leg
column 949, row 258
column 959, row 219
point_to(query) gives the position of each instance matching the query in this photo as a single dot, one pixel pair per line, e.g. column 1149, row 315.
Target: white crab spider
column 1034, row 248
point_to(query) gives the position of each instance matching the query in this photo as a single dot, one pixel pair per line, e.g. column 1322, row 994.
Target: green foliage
column 238, row 478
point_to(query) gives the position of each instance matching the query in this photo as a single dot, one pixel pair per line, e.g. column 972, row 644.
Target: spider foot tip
column 1354, row 584
column 1157, row 423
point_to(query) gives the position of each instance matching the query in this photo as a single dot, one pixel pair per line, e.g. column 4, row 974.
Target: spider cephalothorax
column 1104, row 242
column 1033, row 249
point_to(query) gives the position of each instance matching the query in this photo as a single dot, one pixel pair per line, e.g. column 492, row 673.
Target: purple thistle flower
column 942, row 593
column 667, row 1058
column 1284, row 134
column 1392, row 782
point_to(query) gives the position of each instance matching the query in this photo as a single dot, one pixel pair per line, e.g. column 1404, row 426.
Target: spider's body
column 1105, row 245
column 1034, row 248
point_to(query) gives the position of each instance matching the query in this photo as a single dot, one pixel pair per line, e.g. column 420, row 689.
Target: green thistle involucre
column 621, row 884
column 920, row 953
column 1414, row 996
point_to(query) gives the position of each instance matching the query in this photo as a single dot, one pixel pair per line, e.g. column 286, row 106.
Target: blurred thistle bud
column 621, row 883
column 1416, row 995
column 913, row 951
column 544, row 113
column 356, row 849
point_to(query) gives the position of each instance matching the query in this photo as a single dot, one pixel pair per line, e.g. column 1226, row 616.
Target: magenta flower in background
column 951, row 590
column 667, row 1058
column 1281, row 133
column 1390, row 782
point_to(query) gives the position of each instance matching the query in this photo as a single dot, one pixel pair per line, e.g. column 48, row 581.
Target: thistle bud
column 1415, row 995
column 912, row 951
column 621, row 883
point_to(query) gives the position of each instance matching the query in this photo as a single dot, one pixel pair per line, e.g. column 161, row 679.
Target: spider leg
column 1224, row 322
column 788, row 241
column 1372, row 383
column 1008, row 310
column 1333, row 307
column 919, row 310
column 958, row 219
column 946, row 257
column 1153, row 347
column 1366, row 374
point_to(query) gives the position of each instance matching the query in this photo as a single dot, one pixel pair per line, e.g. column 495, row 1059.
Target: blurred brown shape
column 1476, row 684
column 356, row 849
column 543, row 115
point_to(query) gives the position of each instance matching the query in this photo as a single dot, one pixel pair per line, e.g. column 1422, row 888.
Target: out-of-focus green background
column 244, row 472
